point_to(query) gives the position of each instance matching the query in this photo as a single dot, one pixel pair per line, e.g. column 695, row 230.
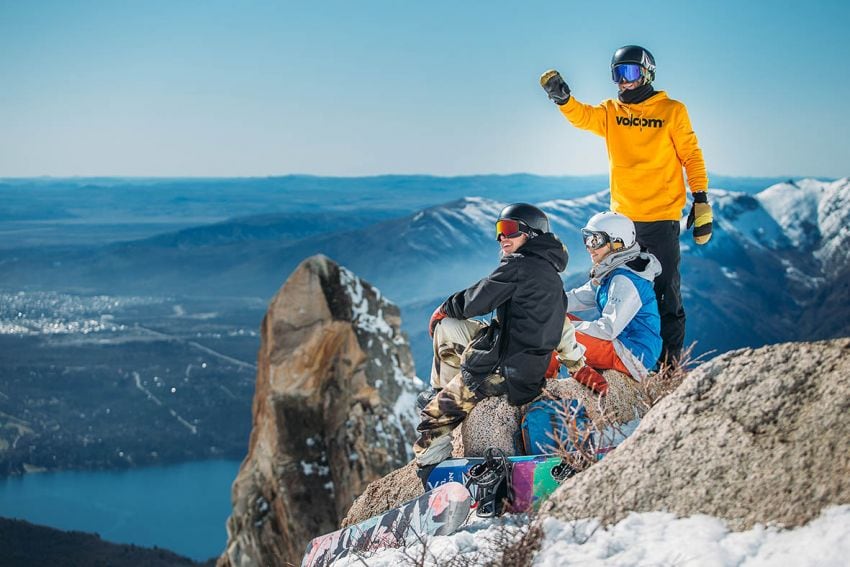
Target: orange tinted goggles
column 509, row 228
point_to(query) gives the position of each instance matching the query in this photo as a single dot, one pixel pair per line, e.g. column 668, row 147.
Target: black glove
column 700, row 218
column 555, row 87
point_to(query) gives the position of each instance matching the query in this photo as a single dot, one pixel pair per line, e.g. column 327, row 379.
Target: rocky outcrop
column 495, row 423
column 333, row 410
column 753, row 436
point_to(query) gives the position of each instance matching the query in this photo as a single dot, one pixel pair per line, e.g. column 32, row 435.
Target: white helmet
column 606, row 227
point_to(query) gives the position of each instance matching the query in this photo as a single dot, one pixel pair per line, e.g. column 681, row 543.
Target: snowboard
column 534, row 477
column 440, row 511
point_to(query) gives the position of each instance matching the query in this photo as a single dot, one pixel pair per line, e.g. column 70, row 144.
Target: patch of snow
column 310, row 469
column 375, row 324
column 647, row 538
column 794, row 206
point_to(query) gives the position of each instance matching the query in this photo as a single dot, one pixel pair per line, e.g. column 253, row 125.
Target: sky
column 253, row 88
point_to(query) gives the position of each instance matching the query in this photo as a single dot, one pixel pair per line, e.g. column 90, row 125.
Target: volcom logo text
column 642, row 122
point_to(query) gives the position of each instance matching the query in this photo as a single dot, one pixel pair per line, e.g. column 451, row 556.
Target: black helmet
column 637, row 55
column 529, row 215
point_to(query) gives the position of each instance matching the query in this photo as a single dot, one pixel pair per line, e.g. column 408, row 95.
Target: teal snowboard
column 440, row 511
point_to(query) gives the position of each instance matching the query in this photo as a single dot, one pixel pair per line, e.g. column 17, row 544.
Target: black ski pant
column 661, row 238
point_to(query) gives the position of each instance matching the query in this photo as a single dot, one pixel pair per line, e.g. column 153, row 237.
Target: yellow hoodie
column 648, row 144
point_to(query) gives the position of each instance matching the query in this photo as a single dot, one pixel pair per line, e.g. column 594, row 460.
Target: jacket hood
column 548, row 247
column 633, row 259
column 646, row 265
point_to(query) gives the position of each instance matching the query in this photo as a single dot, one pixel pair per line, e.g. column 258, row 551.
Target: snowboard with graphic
column 440, row 511
column 533, row 479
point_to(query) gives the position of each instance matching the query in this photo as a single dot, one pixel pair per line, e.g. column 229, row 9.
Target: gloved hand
column 436, row 317
column 592, row 379
column 554, row 366
column 555, row 87
column 700, row 218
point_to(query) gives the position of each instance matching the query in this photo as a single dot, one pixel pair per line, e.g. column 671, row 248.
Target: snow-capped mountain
column 774, row 270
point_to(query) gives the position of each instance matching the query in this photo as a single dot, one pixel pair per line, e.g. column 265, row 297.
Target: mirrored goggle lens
column 627, row 72
column 594, row 240
column 510, row 228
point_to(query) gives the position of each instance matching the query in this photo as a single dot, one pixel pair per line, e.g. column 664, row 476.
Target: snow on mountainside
column 463, row 224
column 749, row 286
column 742, row 217
column 794, row 206
column 834, row 223
column 812, row 214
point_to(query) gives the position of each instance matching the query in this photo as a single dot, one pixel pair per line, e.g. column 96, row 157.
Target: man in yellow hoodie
column 650, row 140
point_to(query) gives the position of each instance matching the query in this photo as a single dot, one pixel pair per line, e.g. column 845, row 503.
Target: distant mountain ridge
column 775, row 259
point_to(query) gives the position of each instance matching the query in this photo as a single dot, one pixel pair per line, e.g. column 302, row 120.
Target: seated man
column 627, row 335
column 527, row 294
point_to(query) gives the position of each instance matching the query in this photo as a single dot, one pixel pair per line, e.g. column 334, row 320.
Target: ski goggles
column 509, row 228
column 626, row 73
column 594, row 240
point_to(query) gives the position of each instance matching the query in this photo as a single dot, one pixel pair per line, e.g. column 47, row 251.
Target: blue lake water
column 183, row 508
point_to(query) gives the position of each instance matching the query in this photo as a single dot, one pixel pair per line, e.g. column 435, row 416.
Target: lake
column 182, row 508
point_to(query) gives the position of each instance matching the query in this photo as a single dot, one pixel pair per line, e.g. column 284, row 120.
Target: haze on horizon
column 257, row 88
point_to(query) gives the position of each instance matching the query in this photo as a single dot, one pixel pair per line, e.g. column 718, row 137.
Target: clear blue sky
column 254, row 88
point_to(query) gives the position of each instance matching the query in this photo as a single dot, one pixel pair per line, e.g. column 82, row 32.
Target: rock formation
column 333, row 410
column 753, row 436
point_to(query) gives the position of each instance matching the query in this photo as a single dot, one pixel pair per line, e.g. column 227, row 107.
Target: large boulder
column 334, row 409
column 753, row 436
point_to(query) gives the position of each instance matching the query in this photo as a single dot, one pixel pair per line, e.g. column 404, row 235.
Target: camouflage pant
column 447, row 410
column 455, row 397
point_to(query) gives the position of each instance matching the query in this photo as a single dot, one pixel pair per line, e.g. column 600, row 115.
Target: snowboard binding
column 563, row 471
column 492, row 481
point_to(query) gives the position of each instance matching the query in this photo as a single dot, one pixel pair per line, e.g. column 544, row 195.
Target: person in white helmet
column 627, row 334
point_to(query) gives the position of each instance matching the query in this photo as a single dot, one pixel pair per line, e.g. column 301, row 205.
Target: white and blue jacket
column 625, row 297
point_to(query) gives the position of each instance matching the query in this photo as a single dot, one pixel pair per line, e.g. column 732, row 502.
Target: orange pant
column 599, row 353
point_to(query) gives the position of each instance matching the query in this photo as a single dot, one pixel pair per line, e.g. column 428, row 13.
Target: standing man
column 649, row 139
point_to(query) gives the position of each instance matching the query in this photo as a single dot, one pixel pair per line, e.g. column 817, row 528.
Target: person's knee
column 455, row 331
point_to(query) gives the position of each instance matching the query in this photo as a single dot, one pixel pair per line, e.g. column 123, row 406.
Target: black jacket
column 528, row 296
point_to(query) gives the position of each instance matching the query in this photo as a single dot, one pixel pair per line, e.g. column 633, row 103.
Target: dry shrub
column 606, row 420
column 669, row 376
column 520, row 551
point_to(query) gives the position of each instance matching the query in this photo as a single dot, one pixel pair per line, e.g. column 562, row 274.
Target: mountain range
column 774, row 270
